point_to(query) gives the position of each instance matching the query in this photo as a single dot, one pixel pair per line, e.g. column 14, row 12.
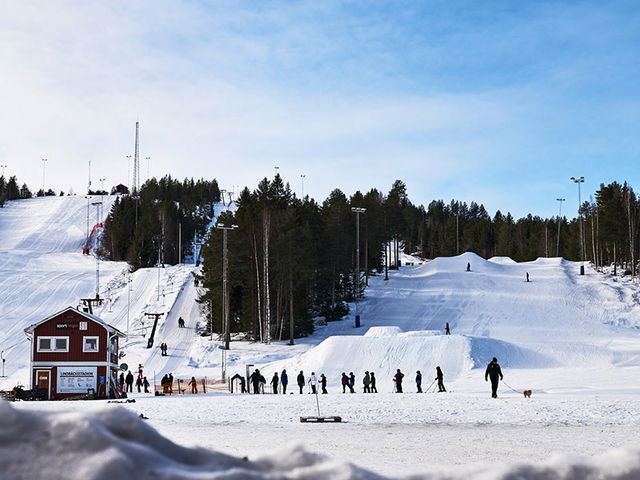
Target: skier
column 345, row 382
column 419, row 381
column 162, row 349
column 194, row 385
column 323, row 383
column 129, row 382
column 440, row 379
column 145, row 384
column 527, row 276
column 468, row 267
column 140, row 370
column 352, row 382
column 398, row 379
column 180, row 323
column 284, row 380
column 313, row 381
column 300, row 379
column 274, row 383
column 373, row 383
column 255, row 381
column 139, row 384
column 495, row 373
column 447, row 331
column 366, row 382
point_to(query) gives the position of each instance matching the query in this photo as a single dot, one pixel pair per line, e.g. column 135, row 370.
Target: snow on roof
column 90, row 316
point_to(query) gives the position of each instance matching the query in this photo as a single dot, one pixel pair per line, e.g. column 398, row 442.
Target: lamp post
column 44, row 163
column 357, row 211
column 560, row 200
column 225, row 274
column 276, row 169
column 579, row 181
column 97, row 205
column 3, row 361
column 3, row 167
column 302, row 175
column 147, row 159
column 129, row 173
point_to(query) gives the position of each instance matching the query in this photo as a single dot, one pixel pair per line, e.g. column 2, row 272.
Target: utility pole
column 560, row 200
column 357, row 211
column 44, row 164
column 128, row 300
column 180, row 243
column 579, row 181
column 97, row 205
column 136, row 163
column 89, row 184
column 225, row 274
column 147, row 159
column 457, row 234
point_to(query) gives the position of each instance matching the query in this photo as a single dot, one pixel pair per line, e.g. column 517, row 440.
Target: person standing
column 468, row 267
column 440, row 379
column 352, row 382
column 527, row 276
column 255, row 381
column 170, row 383
column 139, row 384
column 129, row 382
column 300, row 380
column 145, row 384
column 274, row 383
column 140, row 370
column 366, row 381
column 323, row 383
column 284, row 380
column 419, row 381
column 447, row 331
column 313, row 381
column 345, row 382
column 121, row 382
column 373, row 383
column 398, row 379
column 194, row 385
column 493, row 372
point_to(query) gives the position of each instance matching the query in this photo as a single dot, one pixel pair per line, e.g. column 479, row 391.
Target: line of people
column 280, row 382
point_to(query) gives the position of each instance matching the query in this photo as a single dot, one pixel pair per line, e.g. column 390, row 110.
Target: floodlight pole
column 97, row 205
column 225, row 274
column 44, row 164
column 357, row 211
column 560, row 200
column 579, row 181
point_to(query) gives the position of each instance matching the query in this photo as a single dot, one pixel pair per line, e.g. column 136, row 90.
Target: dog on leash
column 527, row 393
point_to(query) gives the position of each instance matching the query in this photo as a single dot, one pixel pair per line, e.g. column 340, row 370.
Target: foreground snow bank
column 110, row 443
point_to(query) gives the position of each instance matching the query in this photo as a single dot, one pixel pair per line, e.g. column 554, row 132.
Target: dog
column 527, row 393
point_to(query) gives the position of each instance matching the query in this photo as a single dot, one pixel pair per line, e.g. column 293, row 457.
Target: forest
column 292, row 260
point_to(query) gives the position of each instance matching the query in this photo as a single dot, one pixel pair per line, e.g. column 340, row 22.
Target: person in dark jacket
column 274, row 383
column 139, row 384
column 447, row 330
column 323, row 383
column 300, row 380
column 373, row 383
column 468, row 267
column 145, row 384
column 440, row 379
column 255, row 381
column 121, row 382
column 398, row 379
column 419, row 381
column 284, row 381
column 170, row 383
column 352, row 382
column 345, row 382
column 366, row 382
column 129, row 381
column 494, row 373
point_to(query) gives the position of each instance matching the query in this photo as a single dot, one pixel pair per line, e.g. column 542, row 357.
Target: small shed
column 72, row 352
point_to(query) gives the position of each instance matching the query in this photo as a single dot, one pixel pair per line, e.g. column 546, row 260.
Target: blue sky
column 497, row 102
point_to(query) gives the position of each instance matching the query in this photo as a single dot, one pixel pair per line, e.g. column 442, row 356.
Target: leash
column 517, row 391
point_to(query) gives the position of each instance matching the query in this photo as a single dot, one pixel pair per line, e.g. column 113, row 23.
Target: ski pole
column 429, row 387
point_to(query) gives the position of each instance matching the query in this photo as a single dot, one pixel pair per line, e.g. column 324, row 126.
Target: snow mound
column 383, row 332
column 503, row 260
column 109, row 443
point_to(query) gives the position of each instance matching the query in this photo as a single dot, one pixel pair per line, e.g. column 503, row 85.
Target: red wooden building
column 72, row 352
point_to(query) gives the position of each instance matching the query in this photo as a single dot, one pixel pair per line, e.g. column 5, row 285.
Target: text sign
column 68, row 326
column 76, row 379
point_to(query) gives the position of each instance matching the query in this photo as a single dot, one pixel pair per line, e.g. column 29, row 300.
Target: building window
column 83, row 325
column 90, row 344
column 53, row 344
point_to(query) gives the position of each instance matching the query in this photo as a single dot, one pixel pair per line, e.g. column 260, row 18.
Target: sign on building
column 76, row 379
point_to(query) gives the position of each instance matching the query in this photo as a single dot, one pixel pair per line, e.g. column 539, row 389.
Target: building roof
column 108, row 327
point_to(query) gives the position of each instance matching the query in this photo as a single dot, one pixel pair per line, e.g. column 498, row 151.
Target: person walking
column 440, row 379
column 139, row 384
column 300, row 380
column 255, row 381
column 313, row 381
column 419, row 381
column 366, row 381
column 373, row 383
column 493, row 372
column 129, row 381
column 398, row 379
column 274, row 383
column 145, row 384
column 352, row 382
column 284, row 380
column 345, row 382
column 447, row 331
column 527, row 276
column 194, row 385
column 323, row 383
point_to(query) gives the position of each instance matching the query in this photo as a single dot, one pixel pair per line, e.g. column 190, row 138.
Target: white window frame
column 84, row 344
column 53, row 348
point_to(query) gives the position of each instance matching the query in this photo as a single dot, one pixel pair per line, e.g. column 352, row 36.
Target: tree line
column 10, row 190
column 292, row 260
